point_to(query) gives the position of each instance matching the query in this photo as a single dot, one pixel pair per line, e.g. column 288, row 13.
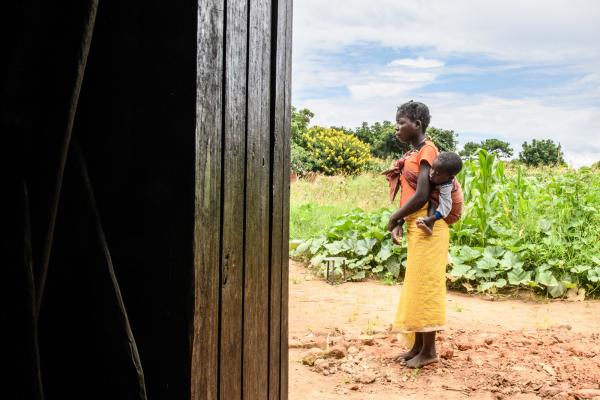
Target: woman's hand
column 397, row 234
column 392, row 223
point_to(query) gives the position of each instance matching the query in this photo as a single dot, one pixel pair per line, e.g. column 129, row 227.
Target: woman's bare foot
column 423, row 226
column 421, row 360
column 404, row 357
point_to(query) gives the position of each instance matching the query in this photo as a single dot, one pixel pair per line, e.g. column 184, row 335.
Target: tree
column 541, row 152
column 469, row 149
column 381, row 139
column 384, row 144
column 300, row 121
column 444, row 139
column 499, row 147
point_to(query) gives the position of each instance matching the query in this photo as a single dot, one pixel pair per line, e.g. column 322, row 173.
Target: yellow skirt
column 422, row 306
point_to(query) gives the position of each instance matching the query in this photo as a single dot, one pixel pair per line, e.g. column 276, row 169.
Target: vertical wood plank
column 232, row 261
column 256, row 293
column 287, row 137
column 278, row 81
column 207, row 225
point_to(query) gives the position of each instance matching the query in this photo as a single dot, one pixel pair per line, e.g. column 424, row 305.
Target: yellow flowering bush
column 335, row 152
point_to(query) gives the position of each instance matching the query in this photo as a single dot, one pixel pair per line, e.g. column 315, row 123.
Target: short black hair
column 449, row 162
column 414, row 111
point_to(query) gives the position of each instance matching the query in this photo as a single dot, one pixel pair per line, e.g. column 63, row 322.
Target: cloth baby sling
column 397, row 170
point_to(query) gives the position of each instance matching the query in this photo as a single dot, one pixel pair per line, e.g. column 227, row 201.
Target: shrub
column 334, row 152
column 301, row 161
column 541, row 152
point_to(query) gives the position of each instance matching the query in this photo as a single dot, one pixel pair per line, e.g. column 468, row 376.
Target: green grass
column 315, row 205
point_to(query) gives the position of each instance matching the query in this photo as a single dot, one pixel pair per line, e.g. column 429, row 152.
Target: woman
column 422, row 308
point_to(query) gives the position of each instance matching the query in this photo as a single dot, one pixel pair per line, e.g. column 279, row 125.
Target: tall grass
column 315, row 205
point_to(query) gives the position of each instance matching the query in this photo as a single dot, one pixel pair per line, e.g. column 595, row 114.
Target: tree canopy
column 541, row 152
column 499, row 147
column 300, row 121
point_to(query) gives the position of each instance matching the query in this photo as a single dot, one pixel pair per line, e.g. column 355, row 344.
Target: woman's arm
column 418, row 200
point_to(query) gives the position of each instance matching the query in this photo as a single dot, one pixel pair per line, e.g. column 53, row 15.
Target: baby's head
column 445, row 167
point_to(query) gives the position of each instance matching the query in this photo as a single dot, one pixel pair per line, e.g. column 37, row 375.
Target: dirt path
column 505, row 349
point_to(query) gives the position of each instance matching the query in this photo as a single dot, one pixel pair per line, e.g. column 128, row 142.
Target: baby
column 444, row 169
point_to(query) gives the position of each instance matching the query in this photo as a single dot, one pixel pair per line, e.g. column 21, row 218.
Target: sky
column 513, row 70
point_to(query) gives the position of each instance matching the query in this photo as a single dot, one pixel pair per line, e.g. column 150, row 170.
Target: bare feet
column 421, row 360
column 423, row 226
column 404, row 357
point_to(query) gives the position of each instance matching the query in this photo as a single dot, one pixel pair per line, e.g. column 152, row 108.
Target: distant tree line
column 382, row 144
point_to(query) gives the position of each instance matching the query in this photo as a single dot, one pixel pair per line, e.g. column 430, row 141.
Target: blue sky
column 512, row 70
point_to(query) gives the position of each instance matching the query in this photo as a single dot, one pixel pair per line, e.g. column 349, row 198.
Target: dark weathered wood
column 38, row 387
column 207, row 238
column 234, row 166
column 132, row 348
column 286, row 201
column 256, row 282
column 278, row 80
column 185, row 133
column 86, row 41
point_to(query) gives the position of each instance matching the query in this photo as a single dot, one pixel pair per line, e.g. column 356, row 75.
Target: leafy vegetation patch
column 520, row 227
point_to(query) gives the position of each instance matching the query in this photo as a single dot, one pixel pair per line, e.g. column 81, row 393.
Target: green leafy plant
column 529, row 228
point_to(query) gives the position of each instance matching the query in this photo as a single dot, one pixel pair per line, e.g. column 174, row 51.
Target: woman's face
column 406, row 129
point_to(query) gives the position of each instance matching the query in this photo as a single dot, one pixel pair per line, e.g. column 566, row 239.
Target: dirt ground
column 340, row 346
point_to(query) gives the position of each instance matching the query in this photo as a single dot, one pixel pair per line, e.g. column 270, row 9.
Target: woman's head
column 412, row 120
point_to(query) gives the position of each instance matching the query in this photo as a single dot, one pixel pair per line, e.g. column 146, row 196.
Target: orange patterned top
column 412, row 163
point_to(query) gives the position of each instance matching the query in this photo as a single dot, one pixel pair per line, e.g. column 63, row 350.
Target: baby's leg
column 426, row 224
column 432, row 206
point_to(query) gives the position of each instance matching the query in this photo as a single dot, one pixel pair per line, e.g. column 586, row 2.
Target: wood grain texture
column 234, row 166
column 278, row 106
column 209, row 103
column 286, row 200
column 256, row 284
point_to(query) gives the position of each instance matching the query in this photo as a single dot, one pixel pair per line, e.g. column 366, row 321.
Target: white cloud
column 556, row 37
column 417, row 63
column 530, row 31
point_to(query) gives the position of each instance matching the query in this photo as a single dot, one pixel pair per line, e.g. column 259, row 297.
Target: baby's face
column 436, row 175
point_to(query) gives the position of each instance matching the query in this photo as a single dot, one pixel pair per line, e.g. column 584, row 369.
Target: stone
column 447, row 353
column 311, row 356
column 548, row 369
column 320, row 365
column 578, row 350
column 347, row 368
column 365, row 377
column 549, row 391
column 366, row 340
column 587, row 393
column 295, row 344
column 353, row 350
column 335, row 352
column 464, row 346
